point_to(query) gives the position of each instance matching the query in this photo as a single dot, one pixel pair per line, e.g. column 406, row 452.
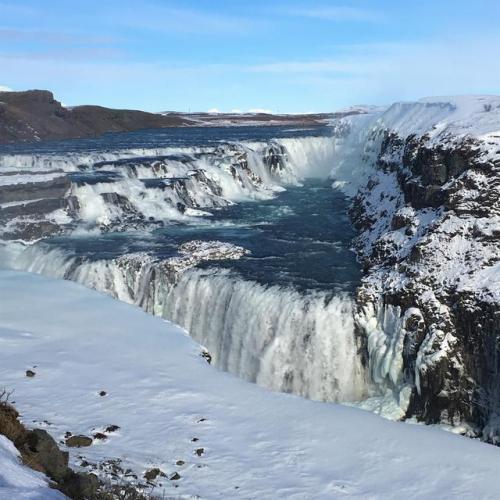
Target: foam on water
column 282, row 339
column 262, row 317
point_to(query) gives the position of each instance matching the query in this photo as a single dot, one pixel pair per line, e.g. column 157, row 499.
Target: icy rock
column 429, row 220
column 152, row 474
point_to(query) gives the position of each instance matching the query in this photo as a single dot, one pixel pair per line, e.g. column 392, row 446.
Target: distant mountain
column 35, row 115
column 260, row 119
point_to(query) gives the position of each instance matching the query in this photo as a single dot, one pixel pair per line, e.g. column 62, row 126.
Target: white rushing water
column 288, row 341
column 277, row 337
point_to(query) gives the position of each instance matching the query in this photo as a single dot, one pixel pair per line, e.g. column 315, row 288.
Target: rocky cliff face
column 429, row 306
column 35, row 115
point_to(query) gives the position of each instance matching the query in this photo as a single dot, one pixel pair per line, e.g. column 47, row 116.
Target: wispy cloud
column 103, row 55
column 337, row 13
column 370, row 73
column 391, row 71
column 321, row 66
column 171, row 19
column 15, row 9
column 53, row 37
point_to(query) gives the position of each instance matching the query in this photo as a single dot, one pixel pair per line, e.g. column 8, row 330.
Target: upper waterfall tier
column 76, row 186
column 271, row 298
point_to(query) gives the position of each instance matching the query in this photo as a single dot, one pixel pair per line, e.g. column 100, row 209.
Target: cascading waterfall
column 285, row 340
column 279, row 338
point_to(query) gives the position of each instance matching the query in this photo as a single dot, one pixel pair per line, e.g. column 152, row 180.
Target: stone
column 152, row 474
column 80, row 486
column 47, row 453
column 78, row 441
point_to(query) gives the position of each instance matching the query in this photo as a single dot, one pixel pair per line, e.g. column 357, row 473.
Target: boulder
column 78, row 441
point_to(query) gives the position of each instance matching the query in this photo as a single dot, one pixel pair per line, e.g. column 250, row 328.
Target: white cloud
column 260, row 110
column 214, row 111
column 344, row 66
column 370, row 73
column 337, row 13
column 155, row 17
column 4, row 88
column 14, row 9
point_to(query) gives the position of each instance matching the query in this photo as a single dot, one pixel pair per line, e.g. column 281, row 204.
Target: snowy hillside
column 19, row 481
column 222, row 436
column 429, row 222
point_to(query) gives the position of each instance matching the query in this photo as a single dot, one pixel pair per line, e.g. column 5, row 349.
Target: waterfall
column 278, row 338
column 298, row 342
column 287, row 341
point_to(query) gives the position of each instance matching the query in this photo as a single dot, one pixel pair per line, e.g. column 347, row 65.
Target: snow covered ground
column 251, row 443
column 20, row 482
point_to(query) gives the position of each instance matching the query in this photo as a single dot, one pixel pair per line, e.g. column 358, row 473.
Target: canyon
column 375, row 281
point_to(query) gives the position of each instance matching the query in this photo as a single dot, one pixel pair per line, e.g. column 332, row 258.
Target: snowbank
column 18, row 481
column 252, row 443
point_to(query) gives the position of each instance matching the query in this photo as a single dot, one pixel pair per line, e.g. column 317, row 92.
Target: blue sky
column 285, row 56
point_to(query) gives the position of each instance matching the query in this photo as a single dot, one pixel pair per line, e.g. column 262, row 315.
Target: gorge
column 356, row 262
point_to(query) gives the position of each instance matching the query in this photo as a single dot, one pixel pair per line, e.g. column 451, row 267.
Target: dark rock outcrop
column 40, row 452
column 54, row 461
column 78, row 441
column 428, row 222
column 35, row 115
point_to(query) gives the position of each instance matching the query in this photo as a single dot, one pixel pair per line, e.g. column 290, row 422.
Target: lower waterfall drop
column 278, row 338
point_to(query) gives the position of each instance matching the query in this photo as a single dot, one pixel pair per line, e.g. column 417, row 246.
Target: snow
column 443, row 120
column 20, row 482
column 256, row 443
column 486, row 281
column 444, row 116
column 196, row 251
column 276, row 336
column 13, row 178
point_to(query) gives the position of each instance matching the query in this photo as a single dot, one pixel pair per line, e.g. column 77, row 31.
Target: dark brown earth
column 35, row 115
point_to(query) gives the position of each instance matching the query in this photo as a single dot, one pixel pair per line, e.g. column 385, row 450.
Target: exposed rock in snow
column 429, row 218
column 196, row 251
column 19, row 481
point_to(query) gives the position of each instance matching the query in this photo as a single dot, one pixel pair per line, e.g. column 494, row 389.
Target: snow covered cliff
column 429, row 222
